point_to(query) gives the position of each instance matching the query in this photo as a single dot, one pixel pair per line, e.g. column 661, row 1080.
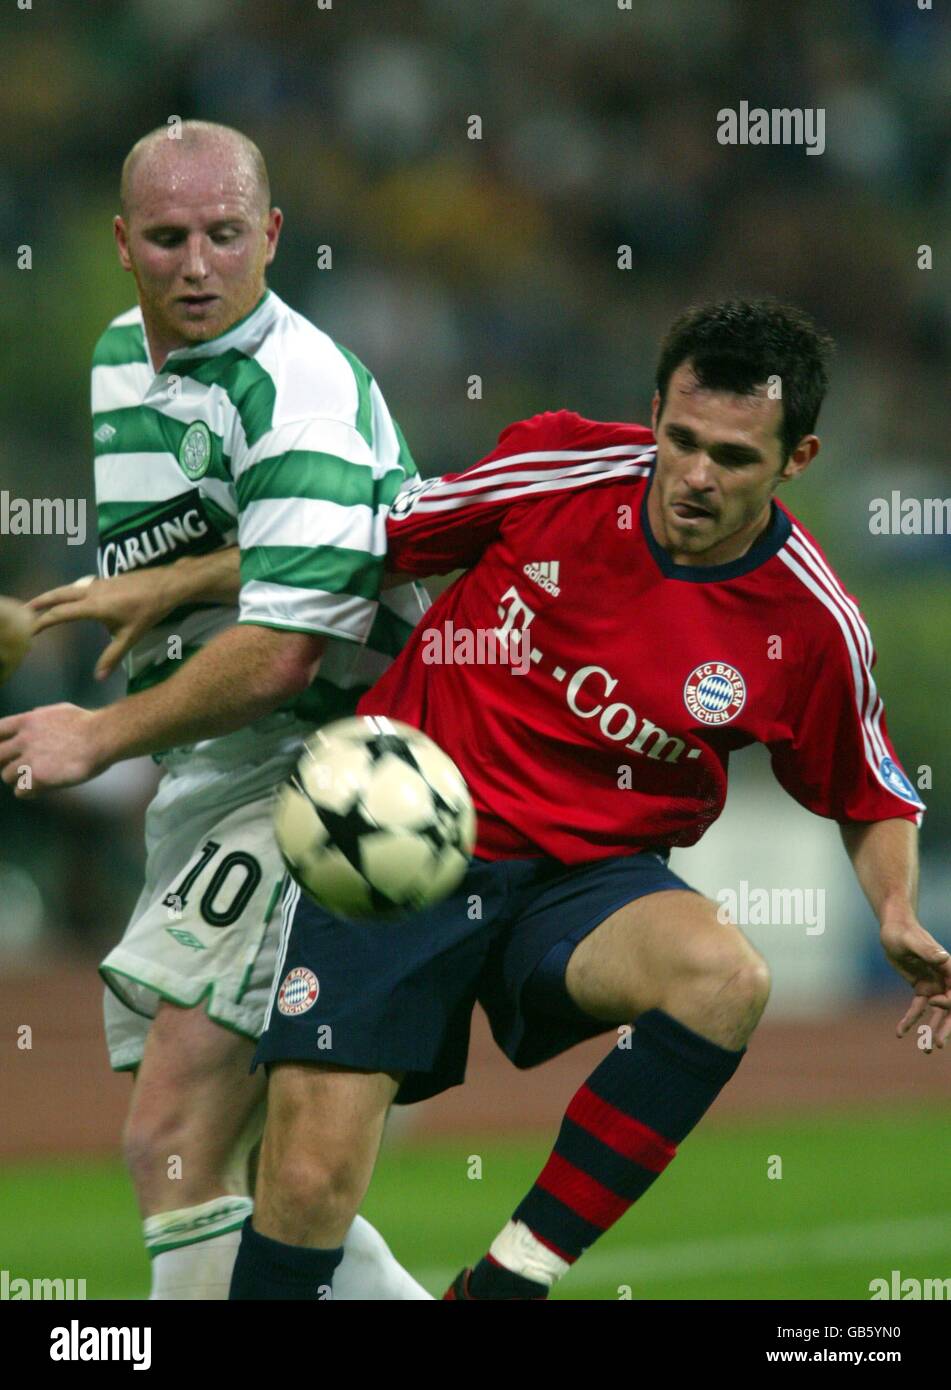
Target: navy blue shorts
column 398, row 996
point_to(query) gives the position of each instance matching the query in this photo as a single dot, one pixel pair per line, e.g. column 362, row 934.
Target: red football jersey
column 589, row 689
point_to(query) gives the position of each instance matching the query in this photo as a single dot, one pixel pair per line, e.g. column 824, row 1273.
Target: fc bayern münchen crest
column 299, row 991
column 194, row 452
column 715, row 692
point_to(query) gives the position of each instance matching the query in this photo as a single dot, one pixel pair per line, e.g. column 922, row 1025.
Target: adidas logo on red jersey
column 545, row 573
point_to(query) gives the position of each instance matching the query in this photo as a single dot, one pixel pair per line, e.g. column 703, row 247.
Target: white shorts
column 206, row 927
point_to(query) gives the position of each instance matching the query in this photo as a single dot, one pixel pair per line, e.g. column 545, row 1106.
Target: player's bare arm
column 884, row 855
column 240, row 676
column 130, row 604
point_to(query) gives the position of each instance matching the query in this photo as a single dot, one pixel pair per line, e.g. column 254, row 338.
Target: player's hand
column 128, row 604
column 926, row 965
column 53, row 746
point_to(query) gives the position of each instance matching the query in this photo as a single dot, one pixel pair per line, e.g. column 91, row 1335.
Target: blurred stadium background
column 498, row 257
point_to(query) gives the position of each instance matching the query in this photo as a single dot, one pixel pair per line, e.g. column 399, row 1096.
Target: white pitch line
column 825, row 1245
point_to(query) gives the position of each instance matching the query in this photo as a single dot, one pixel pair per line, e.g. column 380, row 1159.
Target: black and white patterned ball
column 375, row 820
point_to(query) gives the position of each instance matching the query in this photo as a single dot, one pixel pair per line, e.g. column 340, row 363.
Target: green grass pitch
column 860, row 1195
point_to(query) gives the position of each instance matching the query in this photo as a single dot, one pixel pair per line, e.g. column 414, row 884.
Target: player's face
column 719, row 461
column 197, row 242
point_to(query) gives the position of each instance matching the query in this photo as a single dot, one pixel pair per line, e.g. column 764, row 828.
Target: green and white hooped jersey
column 272, row 436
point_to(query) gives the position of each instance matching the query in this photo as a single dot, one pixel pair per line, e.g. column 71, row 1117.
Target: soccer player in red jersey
column 653, row 607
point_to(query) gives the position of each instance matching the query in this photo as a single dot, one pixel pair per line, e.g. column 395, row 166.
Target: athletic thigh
column 656, row 952
column 205, row 931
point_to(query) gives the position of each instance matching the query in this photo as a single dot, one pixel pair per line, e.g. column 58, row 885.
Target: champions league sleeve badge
column 897, row 782
column 406, row 499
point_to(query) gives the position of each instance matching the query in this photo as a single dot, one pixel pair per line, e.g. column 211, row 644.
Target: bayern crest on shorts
column 298, row 992
column 715, row 692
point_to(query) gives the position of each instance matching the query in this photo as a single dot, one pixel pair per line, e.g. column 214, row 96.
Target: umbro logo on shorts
column 544, row 573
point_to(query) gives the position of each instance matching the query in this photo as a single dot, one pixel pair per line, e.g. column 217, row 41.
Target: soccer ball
column 375, row 819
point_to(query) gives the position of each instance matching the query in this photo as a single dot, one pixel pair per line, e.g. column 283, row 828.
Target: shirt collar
column 249, row 326
column 772, row 539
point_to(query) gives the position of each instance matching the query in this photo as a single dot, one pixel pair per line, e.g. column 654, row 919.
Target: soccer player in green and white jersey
column 220, row 416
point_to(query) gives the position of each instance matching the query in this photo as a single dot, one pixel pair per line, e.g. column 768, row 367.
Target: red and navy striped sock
column 619, row 1133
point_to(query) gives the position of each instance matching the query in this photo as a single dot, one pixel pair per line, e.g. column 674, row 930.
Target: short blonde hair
column 190, row 135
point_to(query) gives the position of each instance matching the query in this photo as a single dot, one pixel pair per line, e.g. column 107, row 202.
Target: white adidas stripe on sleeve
column 610, row 451
column 814, row 561
column 866, row 694
column 461, row 492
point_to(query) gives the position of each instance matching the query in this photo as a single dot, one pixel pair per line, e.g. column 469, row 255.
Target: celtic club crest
column 194, row 453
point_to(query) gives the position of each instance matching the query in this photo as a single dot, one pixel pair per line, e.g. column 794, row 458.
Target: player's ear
column 121, row 233
column 655, row 411
column 800, row 458
column 275, row 221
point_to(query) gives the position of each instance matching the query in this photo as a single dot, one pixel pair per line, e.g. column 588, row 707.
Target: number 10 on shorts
column 228, row 891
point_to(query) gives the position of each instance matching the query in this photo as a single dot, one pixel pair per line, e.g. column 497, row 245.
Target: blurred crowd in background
column 496, row 257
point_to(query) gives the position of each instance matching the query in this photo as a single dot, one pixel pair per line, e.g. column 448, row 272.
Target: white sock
column 370, row 1271
column 193, row 1250
column 520, row 1251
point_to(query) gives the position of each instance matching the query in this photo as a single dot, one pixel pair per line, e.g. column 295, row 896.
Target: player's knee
column 149, row 1134
column 305, row 1174
column 299, row 1187
column 722, row 975
column 747, row 982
